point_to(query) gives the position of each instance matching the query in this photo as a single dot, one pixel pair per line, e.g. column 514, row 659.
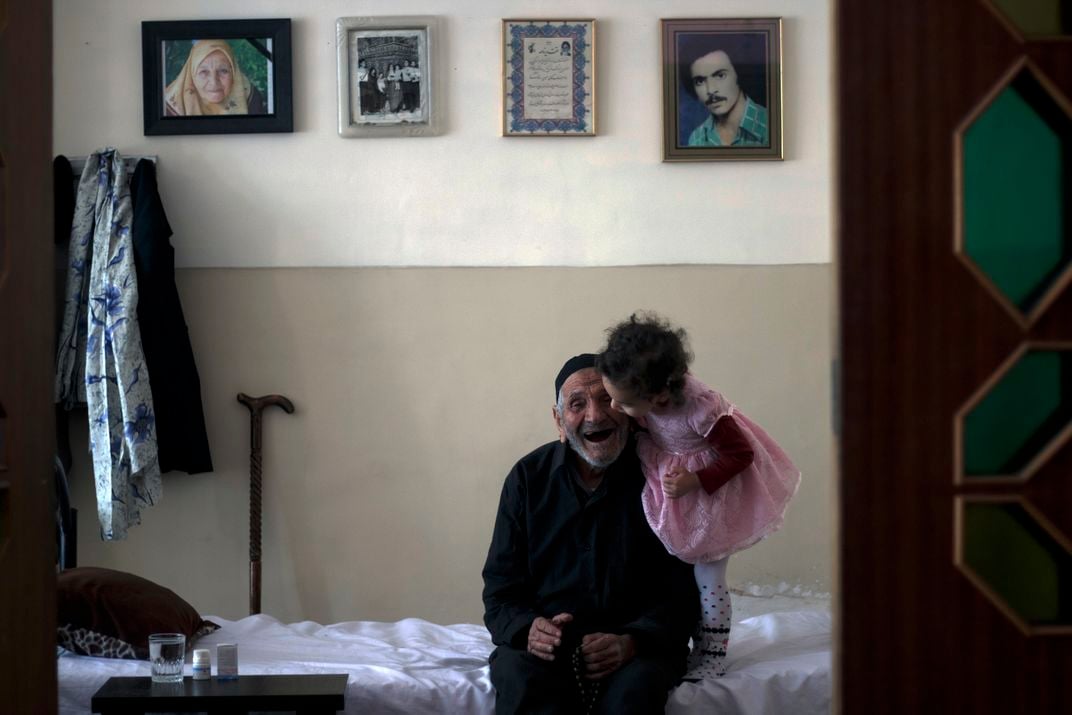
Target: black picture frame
column 269, row 80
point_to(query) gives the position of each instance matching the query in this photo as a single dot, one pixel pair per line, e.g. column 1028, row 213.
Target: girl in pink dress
column 716, row 482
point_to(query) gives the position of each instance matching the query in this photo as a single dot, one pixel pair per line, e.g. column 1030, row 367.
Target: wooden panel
column 918, row 335
column 3, row 223
column 27, row 578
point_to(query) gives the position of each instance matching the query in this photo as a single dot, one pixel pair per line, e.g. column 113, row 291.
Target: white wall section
column 469, row 197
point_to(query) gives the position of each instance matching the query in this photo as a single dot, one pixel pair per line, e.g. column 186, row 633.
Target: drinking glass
column 167, row 651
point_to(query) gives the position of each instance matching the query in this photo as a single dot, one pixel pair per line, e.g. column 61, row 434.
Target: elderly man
column 736, row 120
column 588, row 610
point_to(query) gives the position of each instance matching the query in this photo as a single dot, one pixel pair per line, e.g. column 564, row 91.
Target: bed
column 779, row 662
column 779, row 657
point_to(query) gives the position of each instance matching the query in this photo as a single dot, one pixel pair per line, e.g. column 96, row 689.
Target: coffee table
column 305, row 694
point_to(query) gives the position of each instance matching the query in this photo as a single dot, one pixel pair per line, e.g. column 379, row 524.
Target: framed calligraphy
column 216, row 76
column 549, row 78
column 387, row 76
column 722, row 89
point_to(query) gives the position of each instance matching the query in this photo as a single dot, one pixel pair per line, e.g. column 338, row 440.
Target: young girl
column 716, row 482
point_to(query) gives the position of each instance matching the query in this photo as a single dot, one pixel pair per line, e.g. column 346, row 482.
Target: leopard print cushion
column 85, row 642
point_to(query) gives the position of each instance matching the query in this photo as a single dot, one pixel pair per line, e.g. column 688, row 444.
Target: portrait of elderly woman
column 216, row 77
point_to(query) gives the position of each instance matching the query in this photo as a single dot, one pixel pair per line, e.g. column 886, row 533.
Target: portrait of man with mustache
column 718, row 71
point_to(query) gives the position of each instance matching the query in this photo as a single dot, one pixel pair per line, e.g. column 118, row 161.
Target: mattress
column 779, row 662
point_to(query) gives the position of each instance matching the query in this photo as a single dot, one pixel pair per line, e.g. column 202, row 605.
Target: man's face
column 715, row 82
column 596, row 432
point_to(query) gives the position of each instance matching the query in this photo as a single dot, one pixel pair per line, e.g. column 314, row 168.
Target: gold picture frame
column 736, row 64
column 549, row 77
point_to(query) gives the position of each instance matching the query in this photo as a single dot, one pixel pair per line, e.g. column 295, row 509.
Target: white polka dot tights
column 712, row 635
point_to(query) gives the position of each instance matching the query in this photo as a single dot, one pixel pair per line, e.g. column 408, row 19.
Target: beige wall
column 416, row 389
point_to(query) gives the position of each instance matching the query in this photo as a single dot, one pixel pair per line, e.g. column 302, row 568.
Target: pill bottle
column 227, row 661
column 202, row 664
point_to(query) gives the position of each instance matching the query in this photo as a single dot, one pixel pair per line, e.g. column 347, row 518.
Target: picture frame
column 216, row 76
column 388, row 76
column 549, row 77
column 737, row 64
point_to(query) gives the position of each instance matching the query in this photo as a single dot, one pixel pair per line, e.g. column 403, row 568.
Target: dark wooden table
column 304, row 694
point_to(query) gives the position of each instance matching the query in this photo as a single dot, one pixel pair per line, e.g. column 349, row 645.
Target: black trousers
column 526, row 684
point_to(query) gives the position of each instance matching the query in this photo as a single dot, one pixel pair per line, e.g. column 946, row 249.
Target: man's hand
column 546, row 635
column 604, row 653
column 678, row 482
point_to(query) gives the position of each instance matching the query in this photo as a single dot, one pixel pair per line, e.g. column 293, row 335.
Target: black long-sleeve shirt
column 557, row 549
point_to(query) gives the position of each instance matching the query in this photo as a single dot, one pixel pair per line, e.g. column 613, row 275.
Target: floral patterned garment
column 100, row 360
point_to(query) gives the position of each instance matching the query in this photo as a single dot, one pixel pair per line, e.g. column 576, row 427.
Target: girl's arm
column 734, row 454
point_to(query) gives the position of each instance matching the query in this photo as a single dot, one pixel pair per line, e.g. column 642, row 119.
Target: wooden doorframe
column 920, row 334
column 27, row 536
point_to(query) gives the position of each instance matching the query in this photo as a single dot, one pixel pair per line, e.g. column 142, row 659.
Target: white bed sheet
column 779, row 662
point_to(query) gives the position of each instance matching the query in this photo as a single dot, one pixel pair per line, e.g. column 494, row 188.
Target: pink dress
column 702, row 527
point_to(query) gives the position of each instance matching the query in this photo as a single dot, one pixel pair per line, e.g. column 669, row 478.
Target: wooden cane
column 256, row 407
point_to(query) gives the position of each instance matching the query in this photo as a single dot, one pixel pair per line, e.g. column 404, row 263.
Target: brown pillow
column 111, row 613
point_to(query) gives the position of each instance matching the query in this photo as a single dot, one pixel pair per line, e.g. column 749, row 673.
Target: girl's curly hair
column 646, row 355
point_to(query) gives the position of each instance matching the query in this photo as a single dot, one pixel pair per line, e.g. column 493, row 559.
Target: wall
column 469, row 197
column 415, row 392
column 417, row 387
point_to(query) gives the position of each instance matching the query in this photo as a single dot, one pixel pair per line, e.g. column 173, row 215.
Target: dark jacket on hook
column 63, row 185
column 182, row 441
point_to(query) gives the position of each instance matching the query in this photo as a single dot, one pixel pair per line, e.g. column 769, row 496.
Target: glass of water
column 167, row 651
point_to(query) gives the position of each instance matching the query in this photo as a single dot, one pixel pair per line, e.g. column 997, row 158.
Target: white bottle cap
column 202, row 656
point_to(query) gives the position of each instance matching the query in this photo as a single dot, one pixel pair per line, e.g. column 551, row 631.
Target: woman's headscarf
column 181, row 96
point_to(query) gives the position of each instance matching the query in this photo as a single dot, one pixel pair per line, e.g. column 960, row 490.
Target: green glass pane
column 1019, row 560
column 1014, row 227
column 1021, row 414
column 1037, row 17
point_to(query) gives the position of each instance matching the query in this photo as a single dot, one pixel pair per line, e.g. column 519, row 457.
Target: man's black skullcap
column 575, row 363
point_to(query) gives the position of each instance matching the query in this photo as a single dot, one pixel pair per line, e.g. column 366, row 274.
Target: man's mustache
column 715, row 98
